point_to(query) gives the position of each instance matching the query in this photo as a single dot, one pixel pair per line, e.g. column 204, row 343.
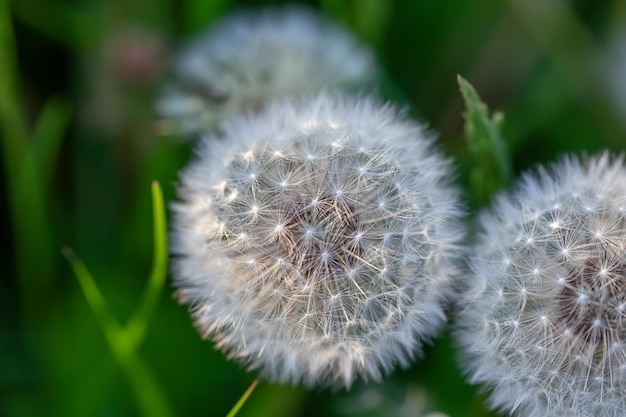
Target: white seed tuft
column 254, row 56
column 326, row 286
column 574, row 276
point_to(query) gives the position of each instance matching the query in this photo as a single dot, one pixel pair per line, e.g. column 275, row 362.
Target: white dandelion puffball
column 317, row 240
column 545, row 326
column 252, row 57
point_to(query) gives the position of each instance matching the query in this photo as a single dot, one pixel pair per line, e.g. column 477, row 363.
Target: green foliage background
column 81, row 145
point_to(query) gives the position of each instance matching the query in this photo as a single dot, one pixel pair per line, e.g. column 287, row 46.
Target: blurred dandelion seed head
column 252, row 57
column 546, row 326
column 316, row 241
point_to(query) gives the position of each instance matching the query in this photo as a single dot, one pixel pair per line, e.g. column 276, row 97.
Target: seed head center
column 592, row 300
column 323, row 237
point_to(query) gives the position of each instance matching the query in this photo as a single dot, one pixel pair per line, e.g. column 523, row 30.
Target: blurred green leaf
column 137, row 325
column 392, row 92
column 12, row 120
column 149, row 396
column 368, row 18
column 109, row 325
column 337, row 8
column 371, row 18
column 33, row 235
column 47, row 136
column 29, row 218
column 61, row 21
column 492, row 166
column 199, row 13
column 568, row 41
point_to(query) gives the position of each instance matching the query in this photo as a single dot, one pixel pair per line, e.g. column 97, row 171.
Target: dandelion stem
column 233, row 412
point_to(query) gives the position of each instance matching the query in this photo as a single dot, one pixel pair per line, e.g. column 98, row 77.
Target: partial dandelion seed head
column 317, row 241
column 546, row 324
column 254, row 56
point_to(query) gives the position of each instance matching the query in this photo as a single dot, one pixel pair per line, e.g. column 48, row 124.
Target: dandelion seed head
column 573, row 274
column 338, row 288
column 254, row 56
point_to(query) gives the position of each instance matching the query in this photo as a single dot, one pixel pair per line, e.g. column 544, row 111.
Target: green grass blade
column 29, row 216
column 32, row 232
column 48, row 135
column 73, row 27
column 139, row 322
column 492, row 166
column 148, row 395
column 233, row 412
column 109, row 325
column 12, row 120
column 199, row 13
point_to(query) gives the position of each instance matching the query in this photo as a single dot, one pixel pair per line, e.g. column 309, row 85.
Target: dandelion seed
column 337, row 288
column 580, row 293
column 252, row 57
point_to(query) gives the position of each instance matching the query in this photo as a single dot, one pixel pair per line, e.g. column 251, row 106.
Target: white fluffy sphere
column 254, row 56
column 545, row 323
column 317, row 240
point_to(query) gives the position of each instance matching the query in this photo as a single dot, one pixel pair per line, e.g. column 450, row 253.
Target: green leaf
column 233, row 412
column 336, row 8
column 30, row 216
column 109, row 325
column 124, row 341
column 492, row 167
column 148, row 394
column 47, row 137
column 71, row 26
column 12, row 119
column 139, row 322
column 135, row 330
column 199, row 13
column 371, row 19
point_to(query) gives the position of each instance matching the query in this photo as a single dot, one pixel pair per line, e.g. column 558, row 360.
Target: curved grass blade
column 138, row 324
column 233, row 412
column 47, row 137
column 109, row 325
column 124, row 341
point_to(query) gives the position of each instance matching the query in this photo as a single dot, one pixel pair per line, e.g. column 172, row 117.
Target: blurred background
column 81, row 95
